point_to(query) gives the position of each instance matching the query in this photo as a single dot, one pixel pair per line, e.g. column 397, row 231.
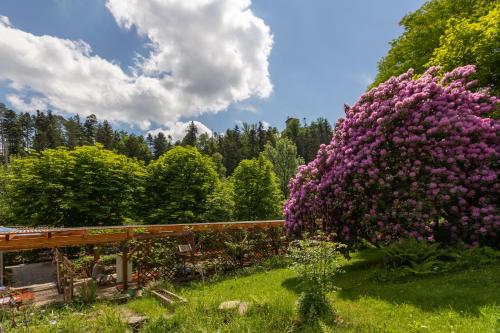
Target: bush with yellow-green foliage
column 87, row 186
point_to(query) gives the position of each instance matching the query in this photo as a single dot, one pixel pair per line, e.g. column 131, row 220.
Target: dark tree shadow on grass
column 464, row 292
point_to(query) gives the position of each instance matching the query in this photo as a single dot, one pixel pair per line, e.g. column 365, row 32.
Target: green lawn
column 462, row 302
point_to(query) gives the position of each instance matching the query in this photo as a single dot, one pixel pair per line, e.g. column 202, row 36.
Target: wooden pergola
column 18, row 239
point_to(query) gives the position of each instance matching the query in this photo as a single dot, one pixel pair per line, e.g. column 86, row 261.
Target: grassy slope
column 465, row 302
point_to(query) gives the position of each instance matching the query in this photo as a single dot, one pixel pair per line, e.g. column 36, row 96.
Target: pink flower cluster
column 412, row 158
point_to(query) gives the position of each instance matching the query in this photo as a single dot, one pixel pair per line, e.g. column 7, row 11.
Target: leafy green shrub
column 412, row 258
column 312, row 305
column 317, row 261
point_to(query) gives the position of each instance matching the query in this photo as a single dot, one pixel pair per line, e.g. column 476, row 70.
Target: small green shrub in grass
column 312, row 305
column 317, row 261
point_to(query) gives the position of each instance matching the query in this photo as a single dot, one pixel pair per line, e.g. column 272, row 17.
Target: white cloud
column 205, row 55
column 5, row 20
column 178, row 130
column 247, row 107
column 19, row 104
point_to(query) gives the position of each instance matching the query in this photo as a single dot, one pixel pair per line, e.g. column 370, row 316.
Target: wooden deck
column 27, row 239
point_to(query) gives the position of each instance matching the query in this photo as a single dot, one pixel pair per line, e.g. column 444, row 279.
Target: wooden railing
column 26, row 239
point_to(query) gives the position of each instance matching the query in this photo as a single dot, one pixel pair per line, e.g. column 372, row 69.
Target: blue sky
column 324, row 53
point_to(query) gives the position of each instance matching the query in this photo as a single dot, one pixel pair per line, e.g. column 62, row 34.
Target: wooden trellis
column 137, row 243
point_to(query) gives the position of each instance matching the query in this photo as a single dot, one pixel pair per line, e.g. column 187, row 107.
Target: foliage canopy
column 87, row 186
column 257, row 194
column 449, row 33
column 178, row 185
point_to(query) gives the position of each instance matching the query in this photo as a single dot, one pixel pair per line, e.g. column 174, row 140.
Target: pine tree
column 160, row 145
column 27, row 127
column 134, row 146
column 231, row 149
column 73, row 131
column 90, row 129
column 40, row 141
column 150, row 142
column 4, row 151
column 105, row 135
column 54, row 130
column 12, row 132
column 191, row 135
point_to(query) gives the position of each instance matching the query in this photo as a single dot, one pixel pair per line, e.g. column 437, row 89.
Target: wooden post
column 1, row 269
column 69, row 279
column 125, row 266
column 57, row 260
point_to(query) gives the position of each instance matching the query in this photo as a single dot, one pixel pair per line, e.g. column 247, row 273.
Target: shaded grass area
column 468, row 301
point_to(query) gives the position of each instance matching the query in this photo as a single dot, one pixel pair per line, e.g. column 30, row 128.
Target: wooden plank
column 59, row 237
column 162, row 298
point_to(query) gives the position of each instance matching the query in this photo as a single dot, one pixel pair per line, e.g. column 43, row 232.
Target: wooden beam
column 61, row 237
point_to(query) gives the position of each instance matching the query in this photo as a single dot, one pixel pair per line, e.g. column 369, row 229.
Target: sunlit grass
column 468, row 301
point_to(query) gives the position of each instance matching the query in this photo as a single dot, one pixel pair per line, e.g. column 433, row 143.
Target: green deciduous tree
column 430, row 28
column 469, row 41
column 220, row 203
column 178, row 186
column 285, row 161
column 257, row 194
column 83, row 187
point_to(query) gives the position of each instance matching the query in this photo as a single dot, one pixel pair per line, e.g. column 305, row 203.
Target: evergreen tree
column 150, row 142
column 40, row 141
column 161, row 145
column 105, row 135
column 261, row 136
column 134, row 146
column 231, row 149
column 27, row 128
column 205, row 144
column 90, row 129
column 73, row 131
column 250, row 141
column 191, row 135
column 54, row 131
column 11, row 132
column 4, row 150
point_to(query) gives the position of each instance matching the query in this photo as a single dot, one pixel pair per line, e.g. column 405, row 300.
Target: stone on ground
column 240, row 305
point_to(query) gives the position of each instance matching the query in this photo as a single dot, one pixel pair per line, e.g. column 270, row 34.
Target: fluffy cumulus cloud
column 204, row 55
column 178, row 130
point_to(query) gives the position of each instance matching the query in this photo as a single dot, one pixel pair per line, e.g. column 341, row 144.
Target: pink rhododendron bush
column 413, row 158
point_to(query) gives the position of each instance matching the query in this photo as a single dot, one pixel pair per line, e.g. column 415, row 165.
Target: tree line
column 21, row 134
column 73, row 172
